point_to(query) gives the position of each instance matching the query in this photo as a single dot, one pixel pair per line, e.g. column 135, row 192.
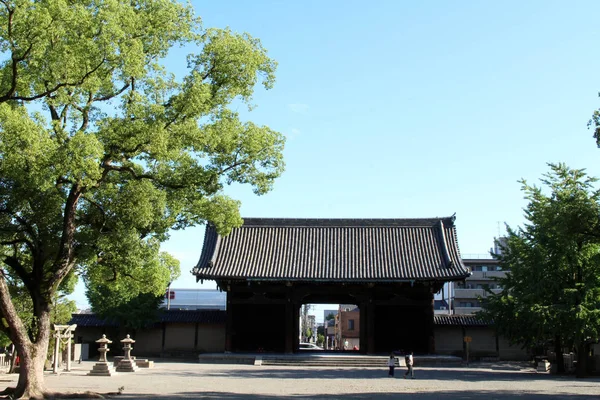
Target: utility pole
column 169, row 296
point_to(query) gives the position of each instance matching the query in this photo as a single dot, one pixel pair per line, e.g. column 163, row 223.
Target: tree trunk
column 560, row 361
column 31, row 371
column 32, row 351
column 13, row 365
column 582, row 356
column 33, row 358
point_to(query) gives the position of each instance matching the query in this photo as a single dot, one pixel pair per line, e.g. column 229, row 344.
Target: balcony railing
column 472, row 293
column 486, row 275
column 468, row 294
column 466, row 310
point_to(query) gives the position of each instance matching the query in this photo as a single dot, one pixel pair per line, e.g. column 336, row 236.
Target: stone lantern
column 102, row 367
column 127, row 364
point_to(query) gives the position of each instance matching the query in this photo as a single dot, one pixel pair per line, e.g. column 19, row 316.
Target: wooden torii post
column 62, row 332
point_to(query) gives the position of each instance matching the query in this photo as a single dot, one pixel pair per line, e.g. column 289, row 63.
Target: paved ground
column 179, row 380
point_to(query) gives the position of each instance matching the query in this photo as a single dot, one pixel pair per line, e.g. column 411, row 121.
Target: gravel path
column 179, row 380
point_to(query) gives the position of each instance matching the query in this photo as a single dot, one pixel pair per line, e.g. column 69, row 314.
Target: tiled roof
column 359, row 250
column 169, row 316
column 459, row 320
column 90, row 320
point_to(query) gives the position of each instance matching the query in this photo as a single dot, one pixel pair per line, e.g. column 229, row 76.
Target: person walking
column 391, row 365
column 408, row 359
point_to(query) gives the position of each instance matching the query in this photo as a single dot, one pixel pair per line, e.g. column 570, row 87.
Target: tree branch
column 64, row 257
column 9, row 95
column 136, row 176
column 100, row 208
column 9, row 312
column 17, row 241
column 25, row 276
column 115, row 94
column 14, row 67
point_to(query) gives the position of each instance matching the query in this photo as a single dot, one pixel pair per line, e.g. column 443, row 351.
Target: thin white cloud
column 299, row 108
column 292, row 133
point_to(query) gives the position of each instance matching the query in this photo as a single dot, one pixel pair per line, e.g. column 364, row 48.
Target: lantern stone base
column 102, row 369
column 144, row 363
column 127, row 365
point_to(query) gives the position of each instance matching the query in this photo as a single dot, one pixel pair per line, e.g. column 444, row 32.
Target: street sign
column 467, row 339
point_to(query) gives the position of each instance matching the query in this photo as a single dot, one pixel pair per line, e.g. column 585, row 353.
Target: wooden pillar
column 289, row 326
column 229, row 323
column 371, row 327
column 296, row 325
column 364, row 331
column 431, row 313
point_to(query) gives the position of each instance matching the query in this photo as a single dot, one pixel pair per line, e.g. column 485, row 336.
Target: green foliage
column 133, row 313
column 320, row 340
column 321, row 330
column 329, row 317
column 308, row 333
column 102, row 151
column 132, row 299
column 553, row 288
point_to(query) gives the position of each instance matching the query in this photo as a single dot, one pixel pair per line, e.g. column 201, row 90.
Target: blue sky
column 401, row 109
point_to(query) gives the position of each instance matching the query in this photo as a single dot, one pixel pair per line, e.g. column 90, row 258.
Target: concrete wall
column 89, row 335
column 148, row 342
column 180, row 336
column 211, row 338
column 508, row 352
column 483, row 342
column 449, row 340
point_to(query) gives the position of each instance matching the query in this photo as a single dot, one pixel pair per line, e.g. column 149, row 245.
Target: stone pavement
column 182, row 380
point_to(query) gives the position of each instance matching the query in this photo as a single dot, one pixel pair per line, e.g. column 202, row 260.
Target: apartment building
column 467, row 294
column 484, row 269
column 347, row 327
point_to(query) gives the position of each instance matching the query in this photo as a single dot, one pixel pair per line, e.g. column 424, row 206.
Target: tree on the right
column 552, row 290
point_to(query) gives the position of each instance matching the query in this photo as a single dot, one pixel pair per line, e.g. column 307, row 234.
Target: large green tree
column 133, row 301
column 102, row 151
column 552, row 289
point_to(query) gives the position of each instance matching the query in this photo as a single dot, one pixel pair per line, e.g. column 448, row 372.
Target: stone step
column 325, row 360
column 102, row 369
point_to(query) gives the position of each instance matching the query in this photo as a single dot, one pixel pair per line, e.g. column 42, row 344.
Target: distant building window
column 350, row 324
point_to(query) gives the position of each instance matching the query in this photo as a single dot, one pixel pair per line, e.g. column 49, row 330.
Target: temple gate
column 390, row 268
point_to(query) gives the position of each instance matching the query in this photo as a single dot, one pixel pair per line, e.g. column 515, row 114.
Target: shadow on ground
column 454, row 395
column 466, row 375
